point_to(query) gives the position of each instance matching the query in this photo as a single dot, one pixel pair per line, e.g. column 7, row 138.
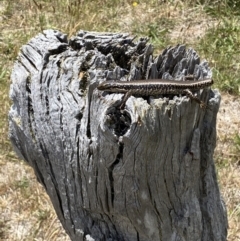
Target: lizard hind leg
column 195, row 98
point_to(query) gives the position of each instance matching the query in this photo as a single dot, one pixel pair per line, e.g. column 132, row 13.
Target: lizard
column 155, row 87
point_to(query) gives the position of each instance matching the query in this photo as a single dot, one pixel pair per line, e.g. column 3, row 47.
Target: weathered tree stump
column 145, row 173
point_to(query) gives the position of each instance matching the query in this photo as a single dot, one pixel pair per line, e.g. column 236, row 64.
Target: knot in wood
column 118, row 121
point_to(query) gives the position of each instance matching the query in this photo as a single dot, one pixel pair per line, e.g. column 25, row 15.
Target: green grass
column 237, row 148
column 225, row 8
column 221, row 46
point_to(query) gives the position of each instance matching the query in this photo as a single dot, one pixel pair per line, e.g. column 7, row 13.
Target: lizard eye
column 103, row 86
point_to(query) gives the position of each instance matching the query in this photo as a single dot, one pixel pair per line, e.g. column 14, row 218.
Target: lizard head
column 105, row 86
column 111, row 86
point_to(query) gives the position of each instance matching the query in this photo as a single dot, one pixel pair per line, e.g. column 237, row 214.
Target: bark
column 145, row 173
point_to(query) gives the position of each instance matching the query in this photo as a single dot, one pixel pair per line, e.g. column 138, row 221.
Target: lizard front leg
column 124, row 99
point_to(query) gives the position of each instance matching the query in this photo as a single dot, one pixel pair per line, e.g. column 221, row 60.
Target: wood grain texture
column 145, row 173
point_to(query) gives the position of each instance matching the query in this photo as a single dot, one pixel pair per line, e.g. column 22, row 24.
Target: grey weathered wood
column 143, row 174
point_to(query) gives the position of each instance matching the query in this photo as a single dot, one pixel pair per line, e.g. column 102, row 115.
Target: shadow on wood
column 145, row 173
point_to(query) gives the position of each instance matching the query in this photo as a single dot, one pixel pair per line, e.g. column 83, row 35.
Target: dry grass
column 228, row 161
column 26, row 211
